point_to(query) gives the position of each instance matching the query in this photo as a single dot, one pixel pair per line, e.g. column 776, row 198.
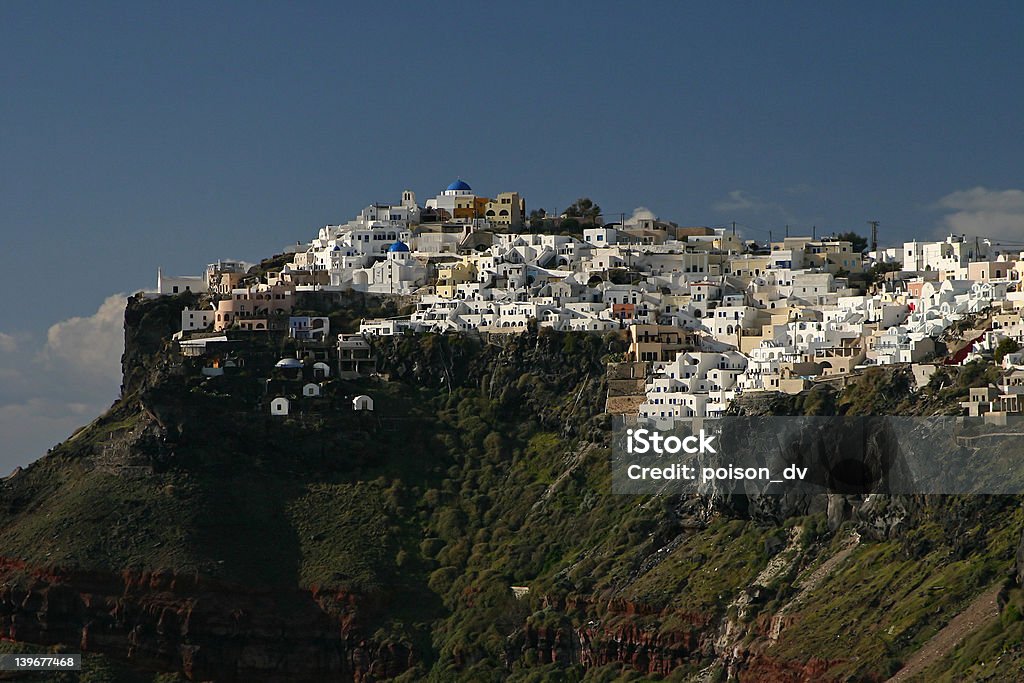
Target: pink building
column 983, row 271
column 252, row 307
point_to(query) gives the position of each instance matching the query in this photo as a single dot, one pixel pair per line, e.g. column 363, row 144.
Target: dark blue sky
column 142, row 134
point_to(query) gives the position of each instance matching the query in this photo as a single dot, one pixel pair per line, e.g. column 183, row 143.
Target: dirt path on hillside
column 809, row 583
column 980, row 612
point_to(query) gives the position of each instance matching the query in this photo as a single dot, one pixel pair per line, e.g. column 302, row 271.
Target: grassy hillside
column 486, row 466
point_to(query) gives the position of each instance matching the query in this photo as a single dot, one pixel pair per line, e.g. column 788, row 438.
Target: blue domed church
column 398, row 273
column 458, row 201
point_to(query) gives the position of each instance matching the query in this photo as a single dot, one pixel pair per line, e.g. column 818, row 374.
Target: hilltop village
column 708, row 315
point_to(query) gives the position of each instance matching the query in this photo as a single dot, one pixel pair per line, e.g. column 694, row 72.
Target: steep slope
column 188, row 530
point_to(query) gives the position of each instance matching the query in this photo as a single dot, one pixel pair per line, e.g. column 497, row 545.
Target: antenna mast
column 874, row 235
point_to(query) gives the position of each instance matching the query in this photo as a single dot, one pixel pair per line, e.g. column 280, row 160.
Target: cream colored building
column 507, row 209
column 828, row 254
column 747, row 267
column 659, row 343
column 451, row 275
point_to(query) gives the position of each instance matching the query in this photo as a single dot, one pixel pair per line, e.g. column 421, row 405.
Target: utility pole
column 734, row 228
column 874, row 235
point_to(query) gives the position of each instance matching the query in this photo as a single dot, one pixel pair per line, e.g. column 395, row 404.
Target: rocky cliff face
column 208, row 630
column 107, row 547
column 188, row 530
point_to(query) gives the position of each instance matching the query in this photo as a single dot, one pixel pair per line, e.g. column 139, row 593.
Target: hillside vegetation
column 485, row 466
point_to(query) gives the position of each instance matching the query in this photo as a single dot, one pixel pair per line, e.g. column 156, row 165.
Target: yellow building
column 459, row 203
column 508, row 209
column 828, row 253
column 748, row 267
column 772, row 324
column 469, row 208
column 834, row 256
column 451, row 275
column 660, row 342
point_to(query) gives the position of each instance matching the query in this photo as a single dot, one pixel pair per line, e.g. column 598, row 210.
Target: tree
column 536, row 219
column 859, row 242
column 585, row 209
column 1005, row 347
column 570, row 225
column 877, row 271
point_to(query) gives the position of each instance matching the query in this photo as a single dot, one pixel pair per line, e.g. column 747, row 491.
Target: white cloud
column 996, row 214
column 983, row 199
column 741, row 201
column 46, row 393
column 641, row 213
column 89, row 347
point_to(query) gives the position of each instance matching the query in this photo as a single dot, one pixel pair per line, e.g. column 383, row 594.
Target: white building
column 321, row 370
column 458, row 195
column 167, row 284
column 309, row 327
column 695, row 384
column 192, row 319
column 389, row 327
column 279, row 406
column 398, row 273
column 953, row 253
column 898, row 344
